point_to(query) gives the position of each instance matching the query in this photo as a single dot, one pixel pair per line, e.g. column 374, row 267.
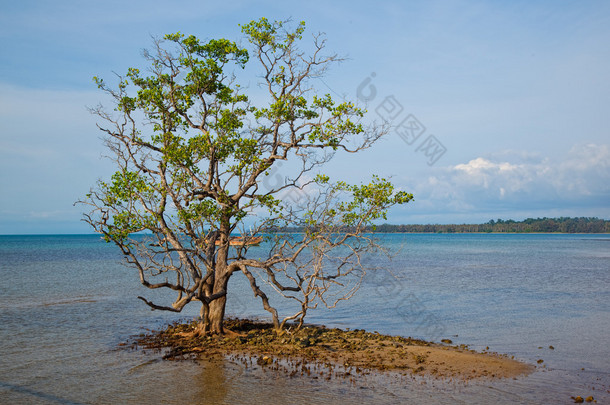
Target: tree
column 193, row 156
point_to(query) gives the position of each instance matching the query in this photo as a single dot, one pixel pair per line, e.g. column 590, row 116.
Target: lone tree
column 195, row 158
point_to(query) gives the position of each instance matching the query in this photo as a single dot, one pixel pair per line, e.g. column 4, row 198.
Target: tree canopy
column 193, row 154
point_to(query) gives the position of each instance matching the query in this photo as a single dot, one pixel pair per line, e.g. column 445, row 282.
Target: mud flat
column 318, row 351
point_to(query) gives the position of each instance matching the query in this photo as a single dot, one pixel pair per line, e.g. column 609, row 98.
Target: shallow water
column 66, row 304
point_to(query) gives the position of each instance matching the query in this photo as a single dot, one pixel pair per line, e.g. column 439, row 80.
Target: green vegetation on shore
column 529, row 225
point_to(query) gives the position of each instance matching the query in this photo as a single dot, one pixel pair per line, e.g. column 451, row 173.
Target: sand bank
column 353, row 352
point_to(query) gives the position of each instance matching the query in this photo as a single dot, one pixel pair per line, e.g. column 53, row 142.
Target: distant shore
column 320, row 352
column 580, row 225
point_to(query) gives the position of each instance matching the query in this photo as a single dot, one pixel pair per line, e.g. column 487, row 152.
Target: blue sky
column 510, row 99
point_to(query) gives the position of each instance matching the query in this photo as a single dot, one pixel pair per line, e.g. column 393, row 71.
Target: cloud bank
column 516, row 184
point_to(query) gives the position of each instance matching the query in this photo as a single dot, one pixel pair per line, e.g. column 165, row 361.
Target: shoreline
column 319, row 352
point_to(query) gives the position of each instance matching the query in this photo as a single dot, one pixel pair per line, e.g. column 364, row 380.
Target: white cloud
column 516, row 184
column 585, row 171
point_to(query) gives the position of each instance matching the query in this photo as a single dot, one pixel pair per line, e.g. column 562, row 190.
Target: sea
column 68, row 304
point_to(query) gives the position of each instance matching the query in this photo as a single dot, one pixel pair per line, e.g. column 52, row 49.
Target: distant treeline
column 530, row 225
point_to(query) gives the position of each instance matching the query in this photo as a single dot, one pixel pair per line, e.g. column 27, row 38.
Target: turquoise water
column 66, row 302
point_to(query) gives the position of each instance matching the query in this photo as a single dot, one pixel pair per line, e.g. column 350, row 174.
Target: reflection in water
column 214, row 382
column 225, row 382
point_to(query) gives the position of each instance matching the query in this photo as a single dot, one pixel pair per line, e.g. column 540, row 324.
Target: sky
column 497, row 109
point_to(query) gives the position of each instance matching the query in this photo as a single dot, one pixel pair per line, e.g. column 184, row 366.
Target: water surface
column 66, row 302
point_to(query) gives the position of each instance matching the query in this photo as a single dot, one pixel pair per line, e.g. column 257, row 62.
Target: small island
column 320, row 352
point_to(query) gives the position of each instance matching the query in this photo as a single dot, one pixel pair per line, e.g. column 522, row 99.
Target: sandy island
column 317, row 351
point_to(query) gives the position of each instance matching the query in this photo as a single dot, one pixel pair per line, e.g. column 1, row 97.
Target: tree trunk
column 216, row 308
column 204, row 322
column 216, row 312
